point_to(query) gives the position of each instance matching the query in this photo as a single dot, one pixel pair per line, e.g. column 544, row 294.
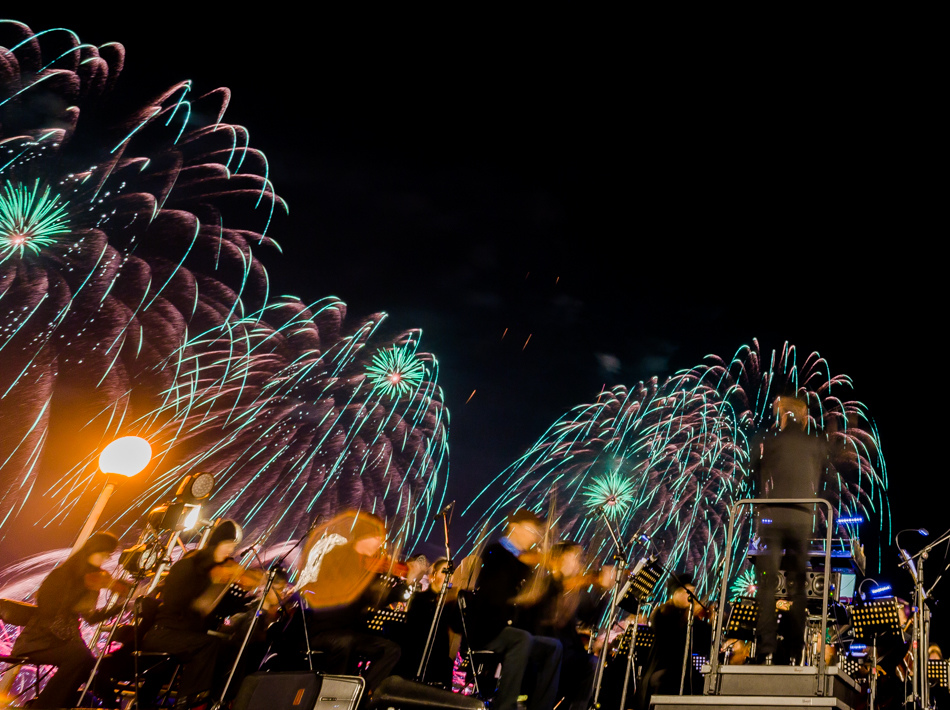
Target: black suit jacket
column 501, row 577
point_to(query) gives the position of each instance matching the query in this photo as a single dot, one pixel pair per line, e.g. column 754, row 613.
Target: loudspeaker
column 299, row 691
column 402, row 694
column 815, row 585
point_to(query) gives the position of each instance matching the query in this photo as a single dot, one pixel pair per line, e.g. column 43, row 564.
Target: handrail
column 714, row 651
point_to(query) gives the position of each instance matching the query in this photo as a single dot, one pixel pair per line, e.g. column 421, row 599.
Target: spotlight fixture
column 175, row 516
column 195, row 487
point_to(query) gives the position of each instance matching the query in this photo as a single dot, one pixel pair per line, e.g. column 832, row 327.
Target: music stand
column 870, row 620
column 636, row 591
column 742, row 619
column 938, row 671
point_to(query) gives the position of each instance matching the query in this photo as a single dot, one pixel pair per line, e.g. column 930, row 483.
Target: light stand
column 440, row 602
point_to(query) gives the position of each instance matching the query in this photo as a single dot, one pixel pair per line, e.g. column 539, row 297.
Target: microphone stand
column 440, row 602
column 268, row 584
column 621, row 557
column 921, row 640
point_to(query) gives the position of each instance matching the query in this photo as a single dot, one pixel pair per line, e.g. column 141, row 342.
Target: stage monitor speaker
column 299, row 691
column 402, row 694
column 815, row 586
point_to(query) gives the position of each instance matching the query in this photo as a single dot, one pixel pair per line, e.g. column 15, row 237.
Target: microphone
column 445, row 511
column 640, row 536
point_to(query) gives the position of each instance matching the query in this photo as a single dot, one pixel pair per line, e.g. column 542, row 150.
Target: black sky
column 650, row 202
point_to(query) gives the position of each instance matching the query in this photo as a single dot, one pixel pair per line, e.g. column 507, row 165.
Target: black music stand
column 871, row 620
column 742, row 619
column 938, row 672
column 636, row 591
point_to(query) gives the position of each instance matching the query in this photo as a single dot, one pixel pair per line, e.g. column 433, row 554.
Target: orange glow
column 126, row 456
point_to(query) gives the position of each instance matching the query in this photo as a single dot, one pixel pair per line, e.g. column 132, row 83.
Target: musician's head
column 417, row 564
column 790, row 410
column 934, row 653
column 679, row 587
column 97, row 549
column 568, row 558
column 524, row 529
column 224, row 539
column 436, row 574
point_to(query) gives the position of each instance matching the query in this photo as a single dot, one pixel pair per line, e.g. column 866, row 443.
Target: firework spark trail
column 112, row 241
column 672, row 458
column 290, row 415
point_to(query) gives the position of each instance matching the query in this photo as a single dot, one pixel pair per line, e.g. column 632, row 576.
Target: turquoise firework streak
column 396, row 371
column 30, row 219
column 682, row 447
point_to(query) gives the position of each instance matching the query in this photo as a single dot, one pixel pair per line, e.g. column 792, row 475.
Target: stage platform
column 746, row 702
column 772, row 687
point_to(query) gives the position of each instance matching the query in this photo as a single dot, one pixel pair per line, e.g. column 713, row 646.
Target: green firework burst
column 745, row 585
column 396, row 371
column 613, row 491
column 30, row 219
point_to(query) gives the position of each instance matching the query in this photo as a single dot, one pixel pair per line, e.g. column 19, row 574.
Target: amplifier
column 299, row 691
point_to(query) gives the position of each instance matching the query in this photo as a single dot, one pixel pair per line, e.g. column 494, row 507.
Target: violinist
column 187, row 599
column 338, row 584
column 577, row 603
column 664, row 666
column 52, row 634
column 492, row 620
column 419, row 623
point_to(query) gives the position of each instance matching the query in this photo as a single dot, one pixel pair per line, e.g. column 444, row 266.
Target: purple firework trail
column 113, row 245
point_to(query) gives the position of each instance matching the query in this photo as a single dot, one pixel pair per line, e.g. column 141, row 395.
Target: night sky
column 631, row 207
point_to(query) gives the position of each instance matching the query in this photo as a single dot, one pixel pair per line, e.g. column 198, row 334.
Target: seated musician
column 579, row 602
column 341, row 594
column 664, row 667
column 52, row 635
column 419, row 624
column 492, row 617
column 188, row 597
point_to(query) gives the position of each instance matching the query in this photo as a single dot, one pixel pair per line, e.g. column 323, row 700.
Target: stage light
column 178, row 516
column 127, row 456
column 195, row 487
column 853, row 520
column 883, row 589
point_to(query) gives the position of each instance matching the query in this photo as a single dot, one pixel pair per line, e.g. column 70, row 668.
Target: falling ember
column 470, row 396
column 527, row 275
column 504, row 334
column 526, row 342
column 556, row 280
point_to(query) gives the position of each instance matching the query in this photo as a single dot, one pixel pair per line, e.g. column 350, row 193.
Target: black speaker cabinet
column 299, row 691
column 402, row 694
column 816, row 586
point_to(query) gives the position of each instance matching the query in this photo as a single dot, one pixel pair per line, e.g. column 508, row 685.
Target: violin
column 385, row 564
column 100, row 579
column 230, row 572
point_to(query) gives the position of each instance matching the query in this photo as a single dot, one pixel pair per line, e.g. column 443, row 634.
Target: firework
column 671, row 458
column 112, row 244
column 284, row 409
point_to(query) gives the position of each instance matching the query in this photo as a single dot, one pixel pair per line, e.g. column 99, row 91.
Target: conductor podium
column 768, row 686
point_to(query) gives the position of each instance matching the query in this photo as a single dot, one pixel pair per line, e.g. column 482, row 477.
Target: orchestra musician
column 492, row 618
column 419, row 623
column 190, row 593
column 52, row 635
column 664, row 666
column 340, row 594
column 579, row 602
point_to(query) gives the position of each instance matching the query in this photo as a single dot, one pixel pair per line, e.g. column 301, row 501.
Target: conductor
column 787, row 462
